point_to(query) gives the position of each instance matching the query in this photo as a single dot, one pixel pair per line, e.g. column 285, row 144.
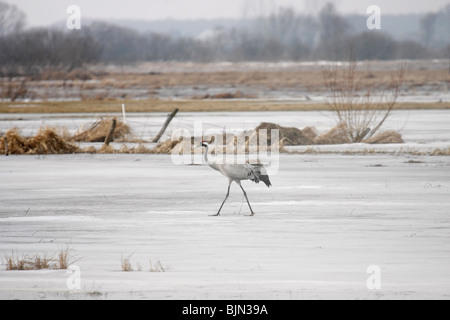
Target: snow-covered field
column 326, row 222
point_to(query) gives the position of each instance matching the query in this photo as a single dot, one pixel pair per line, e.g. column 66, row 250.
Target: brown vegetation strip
column 48, row 141
column 308, row 79
column 183, row 105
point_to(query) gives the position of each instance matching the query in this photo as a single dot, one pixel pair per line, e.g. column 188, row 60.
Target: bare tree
column 34, row 51
column 357, row 102
column 372, row 46
column 333, row 32
column 427, row 27
column 11, row 19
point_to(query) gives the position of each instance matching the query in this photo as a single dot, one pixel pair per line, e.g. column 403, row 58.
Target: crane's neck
column 205, row 154
column 212, row 164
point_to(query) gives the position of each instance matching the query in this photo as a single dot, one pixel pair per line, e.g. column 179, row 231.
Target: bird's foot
column 215, row 215
column 251, row 214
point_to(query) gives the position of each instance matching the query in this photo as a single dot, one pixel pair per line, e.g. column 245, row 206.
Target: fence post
column 163, row 129
column 6, row 146
column 110, row 132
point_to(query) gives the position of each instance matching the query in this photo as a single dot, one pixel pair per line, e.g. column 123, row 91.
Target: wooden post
column 110, row 132
column 124, row 119
column 163, row 129
column 6, row 145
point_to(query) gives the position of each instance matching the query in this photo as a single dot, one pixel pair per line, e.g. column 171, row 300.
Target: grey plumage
column 237, row 173
column 259, row 173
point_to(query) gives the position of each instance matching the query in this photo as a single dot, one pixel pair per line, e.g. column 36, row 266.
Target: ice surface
column 327, row 218
column 315, row 233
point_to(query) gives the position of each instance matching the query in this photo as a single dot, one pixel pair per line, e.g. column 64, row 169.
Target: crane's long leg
column 226, row 197
column 245, row 194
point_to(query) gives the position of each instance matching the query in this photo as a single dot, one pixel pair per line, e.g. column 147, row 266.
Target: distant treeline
column 285, row 35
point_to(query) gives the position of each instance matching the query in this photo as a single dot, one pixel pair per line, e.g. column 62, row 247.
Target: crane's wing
column 261, row 174
column 253, row 172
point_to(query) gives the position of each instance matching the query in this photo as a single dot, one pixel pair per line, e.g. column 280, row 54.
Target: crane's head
column 205, row 144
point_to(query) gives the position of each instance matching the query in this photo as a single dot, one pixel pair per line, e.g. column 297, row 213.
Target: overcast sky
column 45, row 12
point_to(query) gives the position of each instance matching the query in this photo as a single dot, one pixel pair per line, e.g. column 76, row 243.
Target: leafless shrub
column 13, row 90
column 357, row 102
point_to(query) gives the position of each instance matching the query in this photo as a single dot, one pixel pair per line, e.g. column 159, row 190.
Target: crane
column 237, row 173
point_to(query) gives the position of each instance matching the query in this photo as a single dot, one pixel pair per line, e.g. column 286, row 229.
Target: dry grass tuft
column 157, row 267
column 90, row 150
column 38, row 262
column 106, row 149
column 63, row 258
column 13, row 262
column 126, row 264
column 385, row 137
column 127, row 267
column 337, row 135
column 141, row 149
column 46, row 141
column 310, row 133
column 98, row 130
column 441, row 152
column 165, row 147
column 288, row 136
